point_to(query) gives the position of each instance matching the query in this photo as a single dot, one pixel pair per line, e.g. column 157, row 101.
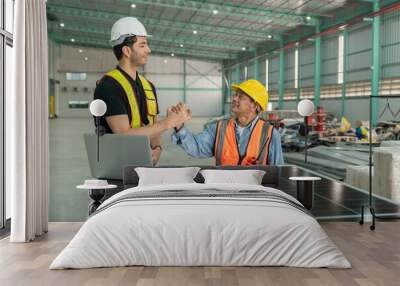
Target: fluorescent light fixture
column 244, row 48
column 133, row 6
column 172, row 55
column 181, row 45
column 62, row 25
column 269, row 36
column 80, row 51
column 308, row 18
column 215, row 12
column 72, row 40
column 195, row 32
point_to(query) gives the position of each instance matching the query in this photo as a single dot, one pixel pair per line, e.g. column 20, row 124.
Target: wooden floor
column 374, row 255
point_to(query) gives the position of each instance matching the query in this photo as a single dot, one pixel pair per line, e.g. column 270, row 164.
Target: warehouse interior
column 343, row 56
column 318, row 51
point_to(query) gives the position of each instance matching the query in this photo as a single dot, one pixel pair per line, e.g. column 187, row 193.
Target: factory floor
column 69, row 166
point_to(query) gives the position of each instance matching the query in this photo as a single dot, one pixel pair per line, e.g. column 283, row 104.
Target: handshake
column 177, row 115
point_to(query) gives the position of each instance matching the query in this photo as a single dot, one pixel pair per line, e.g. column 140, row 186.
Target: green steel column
column 345, row 48
column 229, row 85
column 184, row 80
column 317, row 67
column 256, row 74
column 298, row 78
column 281, row 75
column 223, row 90
column 375, row 63
column 237, row 73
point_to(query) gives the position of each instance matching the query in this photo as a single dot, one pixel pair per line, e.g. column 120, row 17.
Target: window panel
column 1, row 14
column 9, row 15
column 6, row 71
column 9, row 69
column 76, row 76
column 1, row 132
column 81, row 104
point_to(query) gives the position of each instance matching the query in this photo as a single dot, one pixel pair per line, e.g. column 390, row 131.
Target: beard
column 137, row 60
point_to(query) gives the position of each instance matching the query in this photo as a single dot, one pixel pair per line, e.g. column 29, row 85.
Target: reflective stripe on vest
column 226, row 150
column 150, row 100
column 130, row 93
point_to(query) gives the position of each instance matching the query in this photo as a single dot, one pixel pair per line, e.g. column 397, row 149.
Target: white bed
column 183, row 230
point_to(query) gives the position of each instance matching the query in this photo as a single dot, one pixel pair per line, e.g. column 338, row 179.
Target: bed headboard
column 271, row 177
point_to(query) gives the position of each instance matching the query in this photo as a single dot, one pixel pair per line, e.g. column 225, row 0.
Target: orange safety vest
column 136, row 120
column 226, row 150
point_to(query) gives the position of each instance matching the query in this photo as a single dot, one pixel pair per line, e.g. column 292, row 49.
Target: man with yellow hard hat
column 242, row 139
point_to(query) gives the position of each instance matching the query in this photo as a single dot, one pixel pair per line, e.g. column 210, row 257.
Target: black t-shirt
column 112, row 93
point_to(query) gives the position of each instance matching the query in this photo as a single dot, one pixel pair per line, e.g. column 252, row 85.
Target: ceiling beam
column 158, row 23
column 232, row 46
column 287, row 18
column 154, row 47
column 159, row 49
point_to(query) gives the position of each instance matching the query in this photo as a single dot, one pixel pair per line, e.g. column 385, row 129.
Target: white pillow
column 166, row 176
column 248, row 177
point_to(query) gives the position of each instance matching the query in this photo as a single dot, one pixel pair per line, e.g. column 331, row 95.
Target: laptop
column 115, row 152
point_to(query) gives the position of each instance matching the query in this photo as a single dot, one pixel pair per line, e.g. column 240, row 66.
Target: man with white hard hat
column 131, row 100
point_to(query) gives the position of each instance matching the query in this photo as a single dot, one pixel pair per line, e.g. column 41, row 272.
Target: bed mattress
column 201, row 225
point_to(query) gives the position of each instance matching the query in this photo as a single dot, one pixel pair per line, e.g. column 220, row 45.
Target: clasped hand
column 178, row 114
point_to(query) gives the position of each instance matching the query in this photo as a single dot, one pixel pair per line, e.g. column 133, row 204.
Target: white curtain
column 27, row 124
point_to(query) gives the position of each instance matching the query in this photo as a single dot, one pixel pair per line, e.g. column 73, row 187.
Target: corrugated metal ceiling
column 223, row 28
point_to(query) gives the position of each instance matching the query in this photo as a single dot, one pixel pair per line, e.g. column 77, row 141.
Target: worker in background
column 361, row 131
column 242, row 139
column 131, row 99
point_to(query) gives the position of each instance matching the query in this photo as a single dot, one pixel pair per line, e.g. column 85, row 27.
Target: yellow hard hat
column 256, row 90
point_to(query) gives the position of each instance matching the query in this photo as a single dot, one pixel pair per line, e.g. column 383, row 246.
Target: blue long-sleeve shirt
column 201, row 145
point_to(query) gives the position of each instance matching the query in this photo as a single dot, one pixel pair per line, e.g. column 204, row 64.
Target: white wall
column 203, row 80
column 208, row 102
column 70, row 60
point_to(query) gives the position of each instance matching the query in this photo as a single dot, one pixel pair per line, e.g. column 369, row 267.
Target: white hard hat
column 126, row 27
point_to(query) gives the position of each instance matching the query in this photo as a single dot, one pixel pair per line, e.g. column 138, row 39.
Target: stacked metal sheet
column 347, row 155
column 358, row 176
column 331, row 161
column 335, row 170
column 390, row 143
column 387, row 172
